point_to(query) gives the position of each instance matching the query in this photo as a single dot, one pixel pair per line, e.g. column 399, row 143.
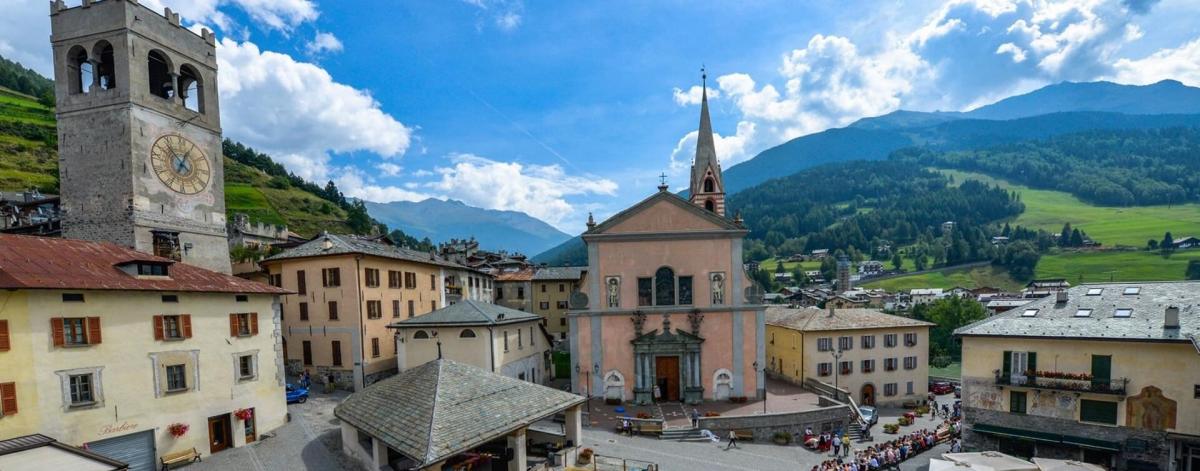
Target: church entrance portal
column 868, row 395
column 667, row 371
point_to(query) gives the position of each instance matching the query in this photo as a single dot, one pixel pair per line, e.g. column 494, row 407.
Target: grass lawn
column 1116, row 266
column 953, row 370
column 1112, row 226
column 966, row 277
column 769, row 265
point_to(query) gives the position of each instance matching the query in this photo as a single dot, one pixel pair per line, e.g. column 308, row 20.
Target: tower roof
column 706, row 149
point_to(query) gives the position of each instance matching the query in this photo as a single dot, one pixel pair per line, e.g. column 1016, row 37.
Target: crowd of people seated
column 886, row 455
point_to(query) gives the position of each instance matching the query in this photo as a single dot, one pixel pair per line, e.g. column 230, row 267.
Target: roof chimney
column 1060, row 297
column 1171, row 320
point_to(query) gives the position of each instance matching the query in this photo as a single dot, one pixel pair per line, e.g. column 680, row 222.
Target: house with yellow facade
column 876, row 358
column 495, row 338
column 552, row 288
column 1102, row 373
column 131, row 355
column 345, row 290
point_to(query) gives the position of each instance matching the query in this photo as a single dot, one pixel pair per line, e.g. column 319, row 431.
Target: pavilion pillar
column 574, row 425
column 516, row 443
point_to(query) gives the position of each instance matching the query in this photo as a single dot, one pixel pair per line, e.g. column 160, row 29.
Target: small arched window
column 710, row 206
column 664, row 287
column 158, row 70
column 79, row 70
column 467, row 334
column 106, row 67
column 191, row 88
column 420, row 334
column 708, row 185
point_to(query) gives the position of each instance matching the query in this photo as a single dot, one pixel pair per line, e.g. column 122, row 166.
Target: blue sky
column 561, row 108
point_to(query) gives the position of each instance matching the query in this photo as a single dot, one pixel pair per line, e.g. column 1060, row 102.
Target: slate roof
column 444, row 408
column 32, row 443
column 1145, row 322
column 29, row 262
column 809, row 319
column 345, row 244
column 469, row 312
column 525, row 274
column 559, row 273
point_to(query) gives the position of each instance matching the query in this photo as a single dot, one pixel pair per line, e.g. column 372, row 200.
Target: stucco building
column 514, row 288
column 552, row 289
column 107, row 347
column 345, row 292
column 1103, row 373
column 664, row 300
column 498, row 339
column 877, row 358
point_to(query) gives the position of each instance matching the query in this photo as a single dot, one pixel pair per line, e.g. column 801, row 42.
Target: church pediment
column 663, row 212
column 669, row 336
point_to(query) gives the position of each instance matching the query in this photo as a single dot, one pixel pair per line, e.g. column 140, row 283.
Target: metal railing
column 1114, row 386
column 605, row 463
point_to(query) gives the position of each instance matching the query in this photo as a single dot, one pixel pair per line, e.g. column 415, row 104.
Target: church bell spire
column 707, row 189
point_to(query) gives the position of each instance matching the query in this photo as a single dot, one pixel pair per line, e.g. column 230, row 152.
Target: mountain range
column 1053, row 110
column 441, row 220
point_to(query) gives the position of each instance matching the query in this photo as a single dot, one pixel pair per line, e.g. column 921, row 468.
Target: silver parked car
column 868, row 414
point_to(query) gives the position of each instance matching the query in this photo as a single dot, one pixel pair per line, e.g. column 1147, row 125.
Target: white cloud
column 1018, row 54
column 508, row 20
column 297, row 112
column 322, row 43
column 506, row 15
column 281, row 15
column 538, row 190
column 692, row 95
column 354, row 183
column 730, row 149
column 24, row 29
column 1182, row 63
column 389, row 169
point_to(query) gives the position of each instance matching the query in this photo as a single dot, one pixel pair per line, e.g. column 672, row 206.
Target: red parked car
column 941, row 387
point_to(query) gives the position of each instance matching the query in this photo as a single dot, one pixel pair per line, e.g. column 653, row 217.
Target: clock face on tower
column 180, row 164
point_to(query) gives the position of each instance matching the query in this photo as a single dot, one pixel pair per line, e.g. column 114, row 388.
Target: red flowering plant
column 178, row 429
column 243, row 414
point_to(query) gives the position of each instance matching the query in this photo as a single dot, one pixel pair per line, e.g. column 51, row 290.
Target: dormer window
column 1132, row 290
column 151, row 269
column 1083, row 313
column 1029, row 313
column 1123, row 312
column 1095, row 291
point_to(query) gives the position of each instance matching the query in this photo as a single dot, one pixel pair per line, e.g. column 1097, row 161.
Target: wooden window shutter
column 8, row 398
column 5, row 345
column 56, row 331
column 253, row 323
column 1007, row 362
column 233, row 325
column 93, row 330
column 186, row 320
column 158, row 328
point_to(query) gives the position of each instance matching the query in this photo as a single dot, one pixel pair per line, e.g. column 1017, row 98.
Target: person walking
column 837, row 445
column 657, row 394
column 695, row 417
column 846, row 445
column 305, row 379
column 732, row 440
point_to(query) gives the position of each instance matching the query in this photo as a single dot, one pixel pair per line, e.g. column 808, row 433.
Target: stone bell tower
column 139, row 131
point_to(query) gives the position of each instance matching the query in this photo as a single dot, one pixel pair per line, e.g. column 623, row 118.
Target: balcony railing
column 1115, row 386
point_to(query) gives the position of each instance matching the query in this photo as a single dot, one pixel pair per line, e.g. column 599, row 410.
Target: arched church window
column 192, row 88
column 708, row 185
column 420, row 334
column 106, row 67
column 467, row 334
column 664, row 287
column 79, row 70
column 158, row 69
column 710, row 206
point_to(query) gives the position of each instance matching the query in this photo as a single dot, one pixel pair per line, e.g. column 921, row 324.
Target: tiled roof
column 559, row 273
column 469, row 312
column 444, row 408
column 1145, row 322
column 28, row 262
column 345, row 244
column 518, row 275
column 720, row 222
column 808, row 319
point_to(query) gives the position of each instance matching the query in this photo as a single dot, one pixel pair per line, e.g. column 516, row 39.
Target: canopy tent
column 984, row 461
column 1047, row 464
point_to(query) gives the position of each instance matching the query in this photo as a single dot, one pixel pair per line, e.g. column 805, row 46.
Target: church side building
column 664, row 298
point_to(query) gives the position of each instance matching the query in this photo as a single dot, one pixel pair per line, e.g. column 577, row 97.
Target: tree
column 1193, row 270
column 919, row 261
column 1064, row 237
column 1076, row 238
column 779, row 266
column 948, row 314
column 1167, row 244
column 1152, row 244
column 897, row 262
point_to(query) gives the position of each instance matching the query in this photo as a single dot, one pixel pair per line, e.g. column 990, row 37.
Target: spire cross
column 703, row 76
column 663, row 178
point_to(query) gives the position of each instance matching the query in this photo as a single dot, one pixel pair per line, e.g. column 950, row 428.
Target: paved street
column 311, row 441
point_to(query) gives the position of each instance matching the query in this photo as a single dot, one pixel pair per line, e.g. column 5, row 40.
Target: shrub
column 782, row 438
column 891, row 428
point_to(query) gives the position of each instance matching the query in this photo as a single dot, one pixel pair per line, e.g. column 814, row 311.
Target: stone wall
column 1151, row 447
column 764, row 426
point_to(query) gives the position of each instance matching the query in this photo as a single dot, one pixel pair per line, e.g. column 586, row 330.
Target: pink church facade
column 666, row 302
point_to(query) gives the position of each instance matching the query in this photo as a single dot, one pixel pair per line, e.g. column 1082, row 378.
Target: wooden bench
column 647, row 428
column 747, row 435
column 185, row 456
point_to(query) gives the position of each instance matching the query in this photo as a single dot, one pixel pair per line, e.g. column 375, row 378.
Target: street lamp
column 762, row 369
column 837, row 356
